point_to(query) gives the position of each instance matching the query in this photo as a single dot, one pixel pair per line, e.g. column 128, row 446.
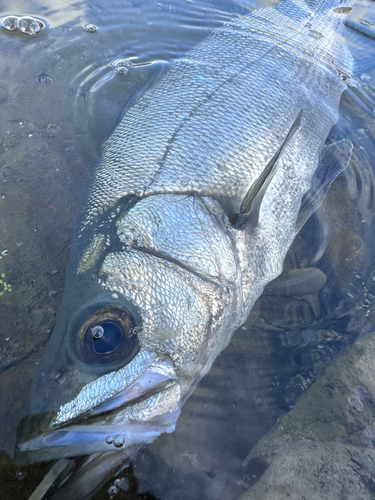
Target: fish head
column 137, row 329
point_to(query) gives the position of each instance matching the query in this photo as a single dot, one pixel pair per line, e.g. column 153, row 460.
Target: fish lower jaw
column 74, row 442
column 136, row 423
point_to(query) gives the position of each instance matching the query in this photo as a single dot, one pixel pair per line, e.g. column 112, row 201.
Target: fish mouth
column 135, row 416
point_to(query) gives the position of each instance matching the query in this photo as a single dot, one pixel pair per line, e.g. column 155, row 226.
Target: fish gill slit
column 160, row 255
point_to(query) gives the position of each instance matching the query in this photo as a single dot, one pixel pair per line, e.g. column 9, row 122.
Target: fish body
column 168, row 259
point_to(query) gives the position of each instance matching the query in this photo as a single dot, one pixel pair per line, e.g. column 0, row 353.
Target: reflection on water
column 61, row 94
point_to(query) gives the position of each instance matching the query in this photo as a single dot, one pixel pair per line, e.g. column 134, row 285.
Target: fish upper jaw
column 138, row 414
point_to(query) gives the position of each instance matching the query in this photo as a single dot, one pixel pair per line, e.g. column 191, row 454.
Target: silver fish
column 200, row 191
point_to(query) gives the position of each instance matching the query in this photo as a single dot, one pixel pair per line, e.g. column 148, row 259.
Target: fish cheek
column 172, row 302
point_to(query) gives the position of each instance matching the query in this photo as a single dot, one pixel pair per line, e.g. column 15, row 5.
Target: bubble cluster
column 122, row 483
column 118, row 441
column 119, row 484
column 25, row 24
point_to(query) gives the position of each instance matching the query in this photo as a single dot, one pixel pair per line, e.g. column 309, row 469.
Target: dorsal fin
column 260, row 185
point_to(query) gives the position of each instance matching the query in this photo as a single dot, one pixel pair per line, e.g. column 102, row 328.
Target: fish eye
column 107, row 336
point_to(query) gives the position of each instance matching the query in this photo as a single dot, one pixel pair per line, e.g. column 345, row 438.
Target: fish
column 200, row 191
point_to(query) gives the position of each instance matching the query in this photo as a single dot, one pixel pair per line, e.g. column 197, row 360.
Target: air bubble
column 112, row 491
column 109, row 439
column 122, row 483
column 29, row 25
column 114, row 296
column 20, row 476
column 91, row 28
column 119, row 441
column 97, row 332
column 122, row 66
column 9, row 23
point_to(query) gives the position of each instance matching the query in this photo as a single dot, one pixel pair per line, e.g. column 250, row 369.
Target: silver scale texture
column 105, row 387
column 212, row 123
column 209, row 127
column 162, row 223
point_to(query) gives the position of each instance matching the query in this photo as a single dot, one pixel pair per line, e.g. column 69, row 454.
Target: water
column 62, row 91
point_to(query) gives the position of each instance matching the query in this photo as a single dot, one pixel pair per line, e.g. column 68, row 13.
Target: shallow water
column 61, row 94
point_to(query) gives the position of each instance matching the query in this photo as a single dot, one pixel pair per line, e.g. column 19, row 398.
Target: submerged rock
column 326, row 444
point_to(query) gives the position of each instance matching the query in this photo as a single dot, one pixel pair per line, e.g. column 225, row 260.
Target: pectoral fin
column 260, row 185
column 334, row 159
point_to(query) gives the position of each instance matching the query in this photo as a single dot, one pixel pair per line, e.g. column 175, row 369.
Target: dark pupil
column 105, row 337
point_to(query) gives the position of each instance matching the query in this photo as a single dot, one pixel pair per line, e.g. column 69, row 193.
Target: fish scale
column 160, row 225
column 196, row 117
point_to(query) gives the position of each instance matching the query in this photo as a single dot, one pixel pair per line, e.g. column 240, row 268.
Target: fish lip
column 148, row 383
column 40, row 437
